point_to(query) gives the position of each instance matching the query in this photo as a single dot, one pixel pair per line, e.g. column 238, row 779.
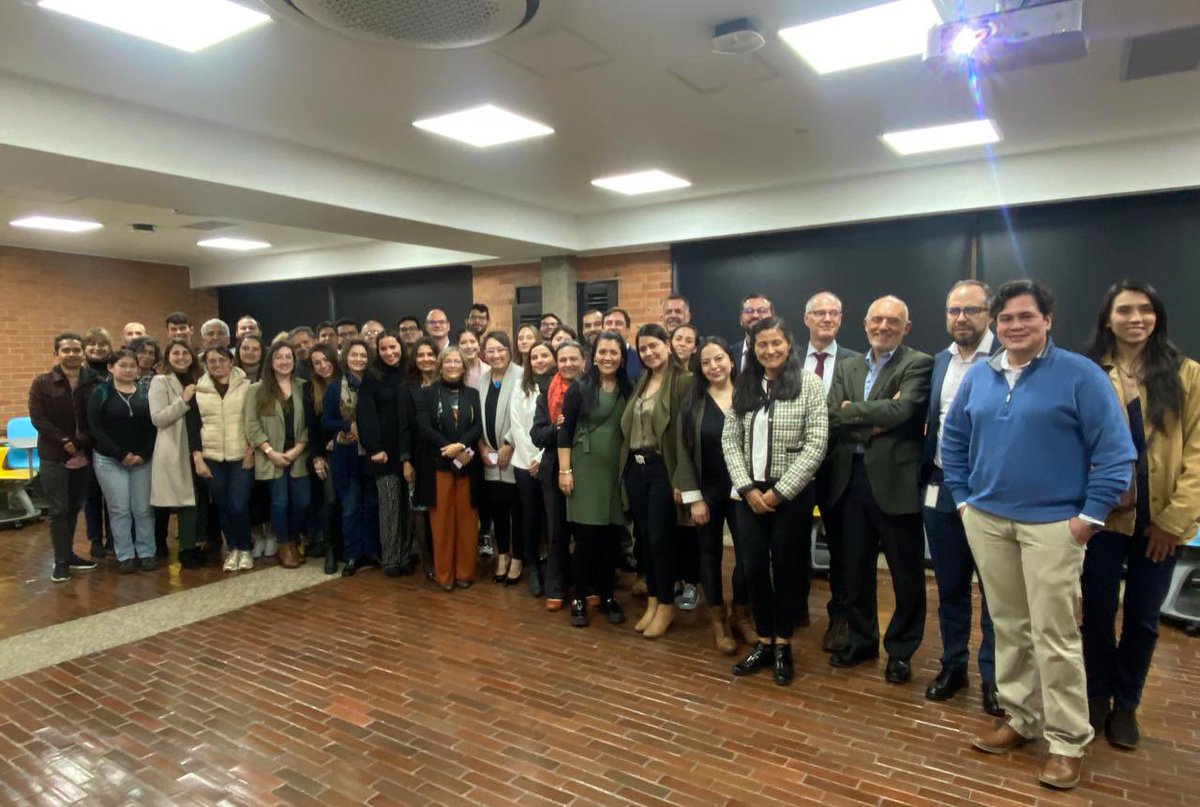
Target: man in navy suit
column 968, row 323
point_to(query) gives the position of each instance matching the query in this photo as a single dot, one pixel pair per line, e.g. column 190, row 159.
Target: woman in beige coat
column 276, row 428
column 173, row 480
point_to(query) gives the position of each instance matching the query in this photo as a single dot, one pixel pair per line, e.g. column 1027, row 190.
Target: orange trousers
column 454, row 525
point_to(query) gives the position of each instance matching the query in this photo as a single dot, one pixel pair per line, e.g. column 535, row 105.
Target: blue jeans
column 289, row 506
column 954, row 569
column 230, row 490
column 360, row 518
column 127, row 491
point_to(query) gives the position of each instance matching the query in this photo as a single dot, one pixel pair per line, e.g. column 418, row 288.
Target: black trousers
column 710, row 540
column 652, row 501
column 867, row 530
column 831, row 519
column 65, row 490
column 776, row 546
column 687, row 553
column 533, row 516
column 505, row 507
column 558, row 539
column 595, row 557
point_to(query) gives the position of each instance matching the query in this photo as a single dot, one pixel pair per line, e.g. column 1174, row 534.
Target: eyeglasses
column 970, row 310
column 476, row 318
column 437, row 322
column 762, row 311
column 822, row 313
column 409, row 329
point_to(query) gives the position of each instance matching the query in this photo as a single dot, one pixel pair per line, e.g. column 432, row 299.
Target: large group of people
column 566, row 457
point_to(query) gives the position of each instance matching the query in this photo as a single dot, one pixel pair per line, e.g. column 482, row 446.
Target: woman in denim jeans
column 119, row 419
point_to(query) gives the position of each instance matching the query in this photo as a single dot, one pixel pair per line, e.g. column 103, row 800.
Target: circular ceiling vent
column 435, row 24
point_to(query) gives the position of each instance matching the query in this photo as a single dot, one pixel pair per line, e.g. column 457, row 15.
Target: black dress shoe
column 352, row 567
column 463, row 583
column 98, row 550
column 898, row 671
column 991, row 701
column 947, row 684
column 579, row 614
column 784, row 669
column 1098, row 712
column 760, row 657
column 330, row 561
column 611, row 609
column 191, row 558
column 835, row 635
column 1121, row 729
column 392, row 570
column 849, row 657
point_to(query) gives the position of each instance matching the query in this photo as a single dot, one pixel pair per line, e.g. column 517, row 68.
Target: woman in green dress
column 589, row 474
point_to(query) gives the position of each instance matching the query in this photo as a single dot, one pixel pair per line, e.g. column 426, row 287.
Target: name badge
column 931, row 496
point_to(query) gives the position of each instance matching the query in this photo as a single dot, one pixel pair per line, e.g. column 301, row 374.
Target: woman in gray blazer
column 497, row 385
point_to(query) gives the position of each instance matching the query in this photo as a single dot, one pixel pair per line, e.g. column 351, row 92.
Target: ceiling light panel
column 188, row 25
column 641, row 182
column 484, row 126
column 235, row 244
column 942, row 138
column 56, row 224
column 877, row 34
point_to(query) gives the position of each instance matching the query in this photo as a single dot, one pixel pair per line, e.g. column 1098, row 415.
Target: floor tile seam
column 55, row 644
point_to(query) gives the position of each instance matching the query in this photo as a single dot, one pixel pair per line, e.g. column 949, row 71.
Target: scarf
column 555, row 394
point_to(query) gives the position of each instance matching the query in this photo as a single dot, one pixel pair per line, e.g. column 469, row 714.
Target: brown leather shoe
column 1060, row 772
column 288, row 557
column 1000, row 739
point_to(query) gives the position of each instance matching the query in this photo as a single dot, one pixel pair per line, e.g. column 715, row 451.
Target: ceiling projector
column 1008, row 34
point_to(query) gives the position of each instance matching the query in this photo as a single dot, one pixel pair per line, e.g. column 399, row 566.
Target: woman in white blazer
column 497, row 386
column 526, row 459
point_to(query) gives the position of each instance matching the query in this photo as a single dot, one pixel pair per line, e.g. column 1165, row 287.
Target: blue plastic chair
column 22, row 436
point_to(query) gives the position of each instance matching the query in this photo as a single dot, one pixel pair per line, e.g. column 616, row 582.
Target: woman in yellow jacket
column 276, row 428
column 1160, row 390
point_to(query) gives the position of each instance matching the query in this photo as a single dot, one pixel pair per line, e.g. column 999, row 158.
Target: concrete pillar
column 558, row 288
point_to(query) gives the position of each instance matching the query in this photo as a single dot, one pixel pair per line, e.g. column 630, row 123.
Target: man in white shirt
column 968, row 324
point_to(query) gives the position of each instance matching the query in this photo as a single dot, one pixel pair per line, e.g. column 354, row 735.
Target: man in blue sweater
column 1035, row 452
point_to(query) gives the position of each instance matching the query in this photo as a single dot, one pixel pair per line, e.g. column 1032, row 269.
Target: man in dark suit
column 755, row 306
column 877, row 417
column 823, row 318
column 968, row 323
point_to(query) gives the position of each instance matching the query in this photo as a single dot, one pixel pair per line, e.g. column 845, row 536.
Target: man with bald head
column 131, row 331
column 877, row 407
column 437, row 325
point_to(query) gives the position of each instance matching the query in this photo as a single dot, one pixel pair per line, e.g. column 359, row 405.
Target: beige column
column 558, row 288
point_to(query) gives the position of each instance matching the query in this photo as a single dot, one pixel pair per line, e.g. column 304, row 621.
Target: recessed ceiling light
column 483, row 126
column 940, row 138
column 876, row 34
column 641, row 182
column 189, row 25
column 57, row 224
column 238, row 244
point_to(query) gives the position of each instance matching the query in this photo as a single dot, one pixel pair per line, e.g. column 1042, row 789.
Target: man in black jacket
column 56, row 405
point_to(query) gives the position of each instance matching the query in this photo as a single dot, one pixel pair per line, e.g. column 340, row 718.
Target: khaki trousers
column 1030, row 574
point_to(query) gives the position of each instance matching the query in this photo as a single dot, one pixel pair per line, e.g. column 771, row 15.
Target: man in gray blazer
column 877, row 408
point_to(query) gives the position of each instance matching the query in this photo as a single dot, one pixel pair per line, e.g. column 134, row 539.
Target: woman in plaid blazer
column 774, row 441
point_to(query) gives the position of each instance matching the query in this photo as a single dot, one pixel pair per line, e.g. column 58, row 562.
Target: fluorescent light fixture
column 484, row 126
column 189, row 25
column 237, row 244
column 876, row 34
column 641, row 182
column 941, row 138
column 56, row 224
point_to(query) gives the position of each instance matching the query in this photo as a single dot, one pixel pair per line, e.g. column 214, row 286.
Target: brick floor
column 377, row 691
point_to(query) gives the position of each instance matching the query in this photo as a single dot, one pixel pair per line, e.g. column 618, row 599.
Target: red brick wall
column 45, row 293
column 644, row 279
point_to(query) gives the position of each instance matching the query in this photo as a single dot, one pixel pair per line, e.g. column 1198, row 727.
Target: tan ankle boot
column 648, row 617
column 724, row 642
column 662, row 620
column 741, row 623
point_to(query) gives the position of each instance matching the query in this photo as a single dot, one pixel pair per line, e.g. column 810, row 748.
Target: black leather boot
column 784, row 669
column 760, row 657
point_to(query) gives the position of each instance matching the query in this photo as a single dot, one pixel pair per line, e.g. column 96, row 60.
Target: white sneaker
column 245, row 561
column 231, row 560
column 260, row 544
column 270, row 547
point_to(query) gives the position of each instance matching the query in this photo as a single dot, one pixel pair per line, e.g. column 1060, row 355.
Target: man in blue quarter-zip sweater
column 1035, row 452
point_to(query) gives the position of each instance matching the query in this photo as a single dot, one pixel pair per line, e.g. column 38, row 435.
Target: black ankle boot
column 1121, row 729
column 784, row 670
column 760, row 657
column 330, row 561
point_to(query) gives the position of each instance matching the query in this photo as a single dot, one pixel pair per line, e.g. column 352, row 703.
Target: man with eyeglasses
column 478, row 318
column 372, row 330
column 409, row 328
column 437, row 325
column 548, row 324
column 968, row 323
column 754, row 307
column 823, row 318
column 347, row 329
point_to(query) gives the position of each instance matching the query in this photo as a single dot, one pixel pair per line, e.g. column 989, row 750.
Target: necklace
column 127, row 399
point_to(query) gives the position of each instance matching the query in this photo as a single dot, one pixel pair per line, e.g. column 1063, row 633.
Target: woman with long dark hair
column 325, row 370
column 451, row 423
column 687, row 543
column 497, row 386
column 275, row 426
column 1160, row 390
column 547, row 420
column 527, row 457
column 703, row 478
column 383, row 429
column 173, row 479
column 248, row 356
column 422, row 374
column 589, row 474
column 774, row 442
